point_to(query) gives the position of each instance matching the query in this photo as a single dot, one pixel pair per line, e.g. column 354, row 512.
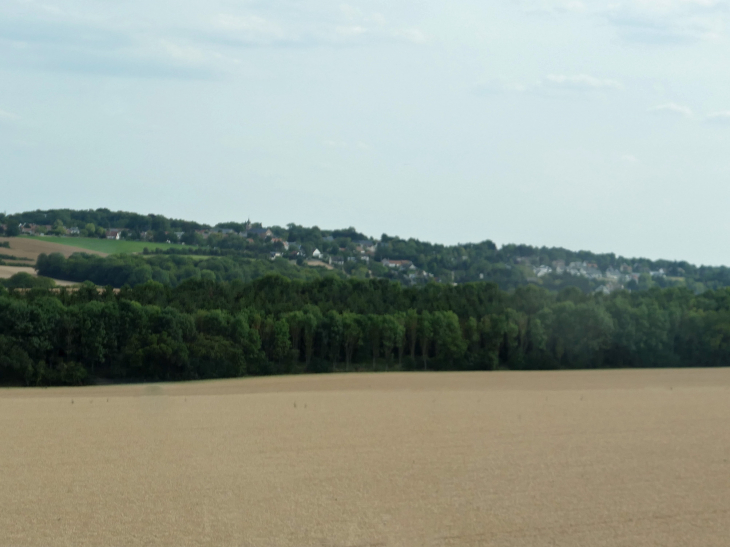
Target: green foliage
column 97, row 242
column 206, row 329
column 170, row 270
column 23, row 280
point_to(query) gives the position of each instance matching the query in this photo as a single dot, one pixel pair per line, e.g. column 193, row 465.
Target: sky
column 601, row 125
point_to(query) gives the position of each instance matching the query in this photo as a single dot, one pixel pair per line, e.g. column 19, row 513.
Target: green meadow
column 108, row 246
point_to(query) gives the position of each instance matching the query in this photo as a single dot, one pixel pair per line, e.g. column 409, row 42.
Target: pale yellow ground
column 608, row 458
column 25, row 247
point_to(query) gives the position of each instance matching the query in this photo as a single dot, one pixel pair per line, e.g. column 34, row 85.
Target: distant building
column 262, row 233
column 402, row 264
column 316, row 253
column 114, row 233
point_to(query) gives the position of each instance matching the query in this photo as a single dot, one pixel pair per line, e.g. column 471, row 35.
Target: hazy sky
column 596, row 125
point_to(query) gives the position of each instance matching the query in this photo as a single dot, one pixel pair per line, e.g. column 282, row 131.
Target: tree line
column 168, row 268
column 273, row 325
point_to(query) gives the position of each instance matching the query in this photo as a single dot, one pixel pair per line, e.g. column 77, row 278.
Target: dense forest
column 207, row 329
column 167, row 268
column 354, row 254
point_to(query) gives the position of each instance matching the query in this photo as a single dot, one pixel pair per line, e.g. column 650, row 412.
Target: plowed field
column 27, row 247
column 596, row 458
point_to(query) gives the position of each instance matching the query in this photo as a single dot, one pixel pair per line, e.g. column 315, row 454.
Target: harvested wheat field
column 592, row 458
column 26, row 247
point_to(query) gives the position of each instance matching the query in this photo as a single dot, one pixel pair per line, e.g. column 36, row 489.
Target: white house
column 316, row 254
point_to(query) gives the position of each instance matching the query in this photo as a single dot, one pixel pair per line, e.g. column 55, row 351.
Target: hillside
column 350, row 253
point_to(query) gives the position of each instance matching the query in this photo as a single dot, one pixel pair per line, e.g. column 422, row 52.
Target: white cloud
column 353, row 30
column 550, row 84
column 5, row 115
column 249, row 24
column 719, row 117
column 673, row 108
column 647, row 21
column 412, row 35
column 186, row 54
column 583, row 80
column 359, row 145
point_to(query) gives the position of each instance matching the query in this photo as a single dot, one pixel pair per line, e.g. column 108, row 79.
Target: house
column 279, row 240
column 336, row 261
column 263, row 233
column 224, row 231
column 401, row 264
column 542, row 270
column 73, row 231
column 366, row 246
column 114, row 233
column 559, row 266
column 316, row 253
column 274, row 255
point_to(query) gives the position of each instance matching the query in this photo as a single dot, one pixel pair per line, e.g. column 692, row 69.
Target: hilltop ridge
column 348, row 252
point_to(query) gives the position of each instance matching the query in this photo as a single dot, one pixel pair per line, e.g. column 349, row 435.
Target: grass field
column 106, row 246
column 593, row 458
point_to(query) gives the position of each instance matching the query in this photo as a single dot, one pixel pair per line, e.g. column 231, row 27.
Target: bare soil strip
column 30, row 248
column 599, row 458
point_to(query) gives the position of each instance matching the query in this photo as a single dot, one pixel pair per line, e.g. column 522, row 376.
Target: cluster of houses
column 43, row 229
column 615, row 278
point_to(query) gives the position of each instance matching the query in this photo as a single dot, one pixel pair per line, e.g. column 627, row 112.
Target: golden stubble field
column 594, row 458
column 26, row 247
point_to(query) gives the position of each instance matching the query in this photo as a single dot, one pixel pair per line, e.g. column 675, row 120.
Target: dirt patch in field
column 25, row 247
column 599, row 458
column 318, row 264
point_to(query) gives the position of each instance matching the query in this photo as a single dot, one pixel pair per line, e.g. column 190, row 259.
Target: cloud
column 647, row 21
column 673, row 108
column 8, row 116
column 183, row 53
column 251, row 26
column 352, row 30
column 582, row 81
column 550, row 85
column 719, row 117
column 412, row 35
column 359, row 145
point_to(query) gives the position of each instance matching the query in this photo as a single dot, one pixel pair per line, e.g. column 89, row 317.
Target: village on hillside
column 359, row 257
